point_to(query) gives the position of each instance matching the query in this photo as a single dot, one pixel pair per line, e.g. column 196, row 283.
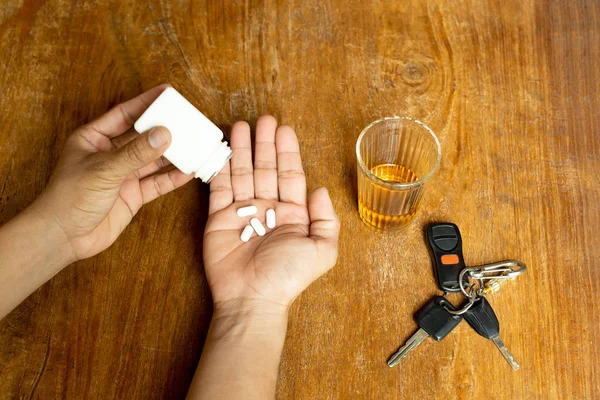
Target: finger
column 123, row 139
column 155, row 186
column 221, row 193
column 138, row 153
column 148, row 170
column 324, row 226
column 153, row 168
column 291, row 179
column 122, row 117
column 242, row 178
column 324, row 222
column 265, row 159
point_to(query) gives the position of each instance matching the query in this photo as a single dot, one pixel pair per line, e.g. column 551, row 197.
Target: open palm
column 276, row 267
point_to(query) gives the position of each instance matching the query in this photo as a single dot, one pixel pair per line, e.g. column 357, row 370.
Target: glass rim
column 397, row 185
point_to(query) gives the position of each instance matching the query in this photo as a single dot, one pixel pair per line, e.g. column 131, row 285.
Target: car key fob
column 446, row 249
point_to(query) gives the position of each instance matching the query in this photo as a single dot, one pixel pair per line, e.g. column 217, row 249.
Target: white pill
column 258, row 227
column 247, row 233
column 271, row 221
column 246, row 211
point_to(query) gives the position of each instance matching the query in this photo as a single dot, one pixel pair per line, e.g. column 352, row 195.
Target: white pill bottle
column 197, row 145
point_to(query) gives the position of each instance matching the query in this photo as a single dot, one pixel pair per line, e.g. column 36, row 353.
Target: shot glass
column 396, row 157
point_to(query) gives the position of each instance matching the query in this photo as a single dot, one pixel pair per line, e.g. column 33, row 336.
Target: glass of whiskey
column 396, row 157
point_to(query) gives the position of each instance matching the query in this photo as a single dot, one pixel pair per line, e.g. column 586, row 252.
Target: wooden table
column 510, row 87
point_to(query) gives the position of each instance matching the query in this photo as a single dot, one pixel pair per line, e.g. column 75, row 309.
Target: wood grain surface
column 510, row 87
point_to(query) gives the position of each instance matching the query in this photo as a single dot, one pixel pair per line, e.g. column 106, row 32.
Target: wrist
column 241, row 355
column 242, row 306
column 241, row 317
column 51, row 237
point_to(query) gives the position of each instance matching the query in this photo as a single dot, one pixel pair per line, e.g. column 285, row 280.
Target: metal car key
column 445, row 243
column 433, row 321
column 483, row 320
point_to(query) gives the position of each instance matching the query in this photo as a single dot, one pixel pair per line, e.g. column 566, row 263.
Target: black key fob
column 446, row 249
column 435, row 320
column 482, row 319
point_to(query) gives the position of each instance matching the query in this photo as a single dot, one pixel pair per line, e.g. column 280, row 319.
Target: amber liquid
column 383, row 208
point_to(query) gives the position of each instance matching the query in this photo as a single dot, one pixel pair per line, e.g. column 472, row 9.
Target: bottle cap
column 214, row 163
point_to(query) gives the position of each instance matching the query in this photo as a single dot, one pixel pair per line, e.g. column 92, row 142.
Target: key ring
column 472, row 301
column 502, row 269
column 473, row 298
column 497, row 270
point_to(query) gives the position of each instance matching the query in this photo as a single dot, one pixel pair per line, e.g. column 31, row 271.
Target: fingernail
column 158, row 137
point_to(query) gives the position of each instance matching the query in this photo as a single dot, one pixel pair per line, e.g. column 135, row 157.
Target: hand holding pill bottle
column 105, row 174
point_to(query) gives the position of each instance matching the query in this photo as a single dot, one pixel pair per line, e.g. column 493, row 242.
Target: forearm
column 32, row 250
column 241, row 355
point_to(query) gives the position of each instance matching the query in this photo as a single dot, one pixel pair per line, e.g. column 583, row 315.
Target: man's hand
column 104, row 176
column 254, row 283
column 276, row 268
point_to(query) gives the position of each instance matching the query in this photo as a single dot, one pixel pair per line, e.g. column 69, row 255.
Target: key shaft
column 483, row 320
column 505, row 353
column 410, row 344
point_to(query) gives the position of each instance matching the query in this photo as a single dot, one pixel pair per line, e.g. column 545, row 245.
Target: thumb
column 324, row 225
column 141, row 151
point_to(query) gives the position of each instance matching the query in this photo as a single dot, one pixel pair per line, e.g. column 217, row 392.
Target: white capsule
column 247, row 233
column 258, row 227
column 246, row 211
column 271, row 221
